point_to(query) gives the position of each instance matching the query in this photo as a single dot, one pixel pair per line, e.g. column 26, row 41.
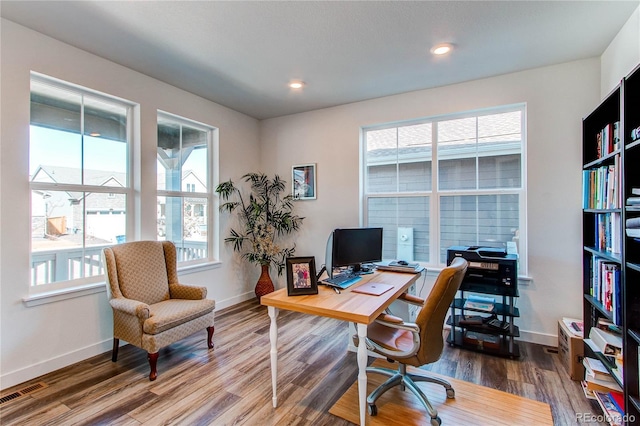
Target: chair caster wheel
column 372, row 409
column 451, row 394
column 435, row 421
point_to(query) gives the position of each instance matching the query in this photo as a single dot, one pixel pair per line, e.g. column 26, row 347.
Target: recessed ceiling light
column 442, row 48
column 94, row 134
column 296, row 84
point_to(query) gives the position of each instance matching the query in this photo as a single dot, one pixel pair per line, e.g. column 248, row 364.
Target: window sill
column 38, row 299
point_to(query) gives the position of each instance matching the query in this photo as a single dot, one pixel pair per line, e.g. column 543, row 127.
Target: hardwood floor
column 231, row 384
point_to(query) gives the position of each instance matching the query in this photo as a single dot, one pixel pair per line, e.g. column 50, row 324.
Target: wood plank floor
column 231, row 384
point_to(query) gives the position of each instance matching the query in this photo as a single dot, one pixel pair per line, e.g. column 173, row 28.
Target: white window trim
column 435, row 194
column 84, row 285
column 211, row 195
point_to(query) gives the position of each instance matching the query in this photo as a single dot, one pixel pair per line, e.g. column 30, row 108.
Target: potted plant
column 264, row 217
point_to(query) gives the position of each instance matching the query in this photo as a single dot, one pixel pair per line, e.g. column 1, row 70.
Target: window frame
column 127, row 189
column 436, row 194
column 210, row 195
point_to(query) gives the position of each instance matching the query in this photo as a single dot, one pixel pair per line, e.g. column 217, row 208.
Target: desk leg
column 273, row 336
column 362, row 371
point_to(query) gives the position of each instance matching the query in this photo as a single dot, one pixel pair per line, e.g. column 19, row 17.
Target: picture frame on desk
column 303, row 181
column 301, row 276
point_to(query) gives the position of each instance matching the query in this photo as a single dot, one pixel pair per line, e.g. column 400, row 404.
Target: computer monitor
column 353, row 247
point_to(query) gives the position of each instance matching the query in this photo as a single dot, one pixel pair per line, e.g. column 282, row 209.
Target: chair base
column 405, row 380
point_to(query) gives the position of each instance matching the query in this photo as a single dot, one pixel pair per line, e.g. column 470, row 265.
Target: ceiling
column 243, row 54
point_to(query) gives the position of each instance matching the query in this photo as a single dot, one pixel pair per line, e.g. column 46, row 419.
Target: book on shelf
column 614, row 417
column 470, row 320
column 479, row 306
column 633, row 222
column 601, row 385
column 606, row 342
column 633, row 232
column 631, row 201
column 618, row 400
column 601, row 187
column 595, row 368
column 587, row 392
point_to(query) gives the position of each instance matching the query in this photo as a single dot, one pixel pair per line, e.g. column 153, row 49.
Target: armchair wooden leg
column 114, row 352
column 153, row 362
column 210, row 336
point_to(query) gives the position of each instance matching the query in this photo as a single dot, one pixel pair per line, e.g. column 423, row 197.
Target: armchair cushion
column 171, row 313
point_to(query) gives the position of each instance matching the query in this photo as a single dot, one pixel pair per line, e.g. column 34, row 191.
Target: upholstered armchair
column 418, row 343
column 151, row 309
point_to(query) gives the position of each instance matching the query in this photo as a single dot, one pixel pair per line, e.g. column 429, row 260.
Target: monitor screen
column 355, row 246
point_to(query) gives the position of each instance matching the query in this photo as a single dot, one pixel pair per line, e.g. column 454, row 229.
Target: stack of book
column 633, row 202
column 597, row 377
column 480, row 303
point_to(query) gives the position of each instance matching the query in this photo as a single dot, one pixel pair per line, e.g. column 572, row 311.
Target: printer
column 491, row 270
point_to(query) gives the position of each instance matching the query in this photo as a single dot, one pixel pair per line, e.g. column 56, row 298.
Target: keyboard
column 342, row 280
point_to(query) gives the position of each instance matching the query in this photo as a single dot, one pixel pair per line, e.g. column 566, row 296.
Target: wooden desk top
column 348, row 305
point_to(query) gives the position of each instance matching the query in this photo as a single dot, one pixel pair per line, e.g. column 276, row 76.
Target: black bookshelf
column 619, row 252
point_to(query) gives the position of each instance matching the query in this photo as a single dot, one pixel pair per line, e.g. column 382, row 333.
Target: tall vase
column 264, row 284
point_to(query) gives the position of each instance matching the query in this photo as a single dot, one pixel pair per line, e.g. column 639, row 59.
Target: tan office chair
column 416, row 343
column 151, row 309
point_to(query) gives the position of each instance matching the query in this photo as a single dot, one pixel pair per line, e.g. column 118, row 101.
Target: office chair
column 418, row 343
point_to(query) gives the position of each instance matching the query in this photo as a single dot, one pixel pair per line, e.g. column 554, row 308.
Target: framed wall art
column 303, row 178
column 301, row 276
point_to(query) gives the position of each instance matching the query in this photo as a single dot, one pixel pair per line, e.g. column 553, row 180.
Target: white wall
column 622, row 55
column 557, row 98
column 36, row 340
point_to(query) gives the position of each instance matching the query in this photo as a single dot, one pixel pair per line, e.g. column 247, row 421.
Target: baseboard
column 47, row 366
column 226, row 303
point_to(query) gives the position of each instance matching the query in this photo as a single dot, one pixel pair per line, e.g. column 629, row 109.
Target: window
column 444, row 181
column 184, row 177
column 79, row 181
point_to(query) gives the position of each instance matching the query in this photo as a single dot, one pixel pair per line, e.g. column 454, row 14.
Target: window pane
column 414, row 157
column 106, row 218
column 55, row 134
column 457, row 151
column 485, row 220
column 69, row 231
column 499, row 150
column 405, row 221
column 501, row 171
column 194, row 154
column 382, row 160
column 182, row 156
column 105, row 140
column 184, row 222
column 399, row 159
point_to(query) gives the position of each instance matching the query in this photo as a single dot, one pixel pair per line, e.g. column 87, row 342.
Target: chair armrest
column 395, row 322
column 413, row 300
column 390, row 318
column 130, row 306
column 183, row 291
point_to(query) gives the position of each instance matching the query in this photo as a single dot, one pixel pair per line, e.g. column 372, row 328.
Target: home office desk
column 358, row 308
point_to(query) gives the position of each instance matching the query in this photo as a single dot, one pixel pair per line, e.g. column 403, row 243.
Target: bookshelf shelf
column 613, row 257
column 505, row 312
column 633, row 266
column 635, row 402
column 634, row 335
column 499, row 308
column 603, row 159
column 597, row 305
column 610, row 157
